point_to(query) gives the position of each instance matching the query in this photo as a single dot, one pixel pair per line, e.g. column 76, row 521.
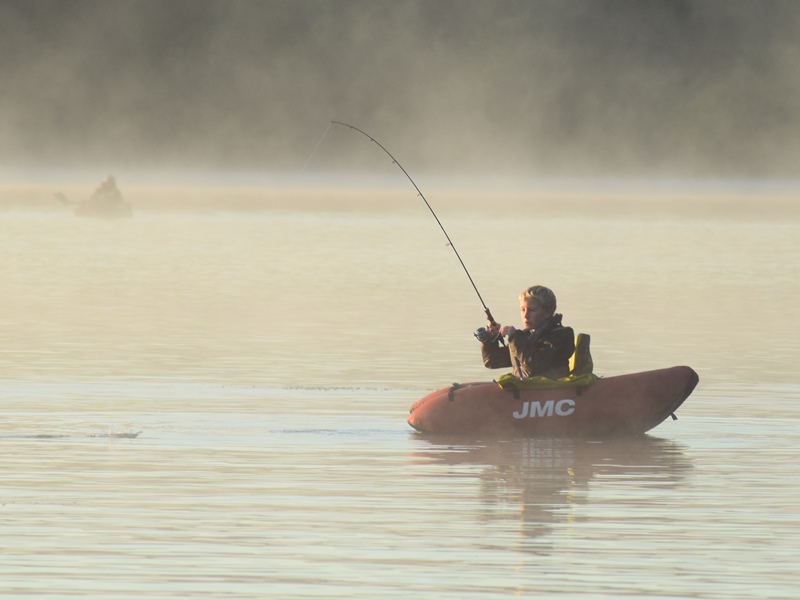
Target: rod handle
column 493, row 322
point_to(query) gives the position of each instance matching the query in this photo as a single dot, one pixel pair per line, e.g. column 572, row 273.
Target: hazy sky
column 642, row 87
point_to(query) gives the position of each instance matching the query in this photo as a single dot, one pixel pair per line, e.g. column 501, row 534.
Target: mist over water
column 654, row 87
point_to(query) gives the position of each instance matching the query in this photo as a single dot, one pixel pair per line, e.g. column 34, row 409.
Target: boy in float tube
column 541, row 349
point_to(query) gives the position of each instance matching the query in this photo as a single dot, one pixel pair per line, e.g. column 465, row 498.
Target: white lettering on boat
column 562, row 408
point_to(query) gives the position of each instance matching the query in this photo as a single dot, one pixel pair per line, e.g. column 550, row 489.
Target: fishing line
column 314, row 151
column 430, row 208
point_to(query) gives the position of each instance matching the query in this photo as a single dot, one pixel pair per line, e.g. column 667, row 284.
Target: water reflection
column 541, row 483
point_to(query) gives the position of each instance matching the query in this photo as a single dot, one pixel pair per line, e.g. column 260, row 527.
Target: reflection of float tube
column 449, row 241
column 540, row 482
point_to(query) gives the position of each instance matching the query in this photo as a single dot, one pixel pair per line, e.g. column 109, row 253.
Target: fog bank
column 590, row 87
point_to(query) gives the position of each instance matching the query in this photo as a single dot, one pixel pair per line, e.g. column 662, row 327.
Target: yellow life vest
column 580, row 365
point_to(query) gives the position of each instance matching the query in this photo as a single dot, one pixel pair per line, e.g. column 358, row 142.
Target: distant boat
column 106, row 202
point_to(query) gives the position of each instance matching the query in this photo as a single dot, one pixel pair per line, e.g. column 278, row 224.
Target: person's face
column 533, row 315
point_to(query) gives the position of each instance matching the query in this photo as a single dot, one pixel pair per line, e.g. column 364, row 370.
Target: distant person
column 107, row 192
column 542, row 347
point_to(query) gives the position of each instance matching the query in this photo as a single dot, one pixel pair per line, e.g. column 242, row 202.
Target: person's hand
column 497, row 329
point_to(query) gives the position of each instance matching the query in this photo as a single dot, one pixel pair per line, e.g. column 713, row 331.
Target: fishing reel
column 483, row 335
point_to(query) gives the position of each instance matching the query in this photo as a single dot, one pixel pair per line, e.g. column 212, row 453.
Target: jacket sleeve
column 495, row 356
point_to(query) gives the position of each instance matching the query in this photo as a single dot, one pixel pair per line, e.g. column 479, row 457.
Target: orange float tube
column 619, row 405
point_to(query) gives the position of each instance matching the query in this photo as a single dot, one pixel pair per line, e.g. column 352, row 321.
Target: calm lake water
column 211, row 404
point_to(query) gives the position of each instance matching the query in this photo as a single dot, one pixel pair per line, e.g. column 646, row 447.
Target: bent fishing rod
column 430, row 208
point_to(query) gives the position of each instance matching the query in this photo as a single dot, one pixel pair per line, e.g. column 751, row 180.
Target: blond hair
column 540, row 294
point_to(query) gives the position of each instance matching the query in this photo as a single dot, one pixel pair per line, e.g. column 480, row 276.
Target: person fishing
column 107, row 192
column 542, row 348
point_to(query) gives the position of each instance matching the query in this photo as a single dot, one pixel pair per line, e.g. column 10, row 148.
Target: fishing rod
column 430, row 208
